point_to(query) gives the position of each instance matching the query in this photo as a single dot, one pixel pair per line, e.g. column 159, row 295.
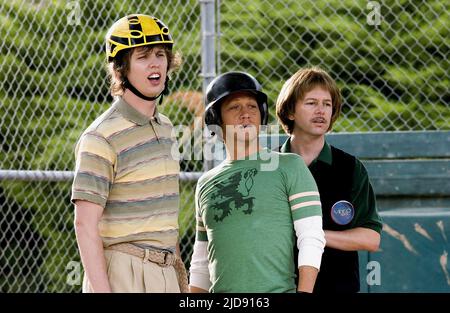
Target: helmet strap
column 128, row 85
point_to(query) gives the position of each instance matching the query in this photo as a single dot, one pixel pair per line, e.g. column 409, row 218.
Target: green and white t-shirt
column 246, row 215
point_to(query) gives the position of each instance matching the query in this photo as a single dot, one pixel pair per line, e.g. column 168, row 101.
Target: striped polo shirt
column 129, row 164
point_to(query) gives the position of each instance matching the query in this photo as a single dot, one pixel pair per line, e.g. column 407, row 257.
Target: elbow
column 79, row 226
column 373, row 248
column 83, row 227
column 374, row 243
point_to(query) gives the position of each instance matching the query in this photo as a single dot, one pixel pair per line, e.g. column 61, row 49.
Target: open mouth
column 155, row 77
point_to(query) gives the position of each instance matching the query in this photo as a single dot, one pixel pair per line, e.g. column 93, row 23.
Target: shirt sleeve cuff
column 88, row 197
column 200, row 280
column 311, row 256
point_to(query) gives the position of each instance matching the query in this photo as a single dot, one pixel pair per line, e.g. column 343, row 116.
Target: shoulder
column 208, row 176
column 289, row 160
column 106, row 124
column 342, row 154
column 98, row 132
column 165, row 120
column 349, row 161
column 344, row 159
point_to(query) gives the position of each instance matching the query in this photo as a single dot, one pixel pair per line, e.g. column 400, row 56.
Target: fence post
column 208, row 21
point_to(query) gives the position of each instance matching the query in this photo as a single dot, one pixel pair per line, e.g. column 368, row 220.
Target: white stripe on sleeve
column 304, row 194
column 305, row 204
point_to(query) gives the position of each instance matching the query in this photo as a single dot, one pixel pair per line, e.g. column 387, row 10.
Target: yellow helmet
column 136, row 30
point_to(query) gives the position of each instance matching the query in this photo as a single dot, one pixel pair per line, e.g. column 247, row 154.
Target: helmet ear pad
column 264, row 113
column 213, row 118
column 261, row 98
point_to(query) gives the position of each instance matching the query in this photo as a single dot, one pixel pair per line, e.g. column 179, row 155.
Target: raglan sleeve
column 305, row 205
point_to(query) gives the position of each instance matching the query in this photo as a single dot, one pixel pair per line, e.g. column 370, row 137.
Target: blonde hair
column 295, row 88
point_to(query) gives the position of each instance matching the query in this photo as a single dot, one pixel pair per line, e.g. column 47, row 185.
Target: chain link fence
column 53, row 85
column 390, row 59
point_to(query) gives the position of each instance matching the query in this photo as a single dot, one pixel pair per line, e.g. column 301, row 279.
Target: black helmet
column 227, row 84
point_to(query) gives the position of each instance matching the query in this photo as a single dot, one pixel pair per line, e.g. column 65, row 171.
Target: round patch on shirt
column 342, row 212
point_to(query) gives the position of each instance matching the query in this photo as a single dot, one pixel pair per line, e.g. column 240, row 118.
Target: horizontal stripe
column 142, row 162
column 133, row 135
column 147, row 190
column 305, row 204
column 89, row 192
column 96, row 167
column 147, row 144
column 148, row 225
column 143, row 206
column 115, row 123
column 131, row 217
column 95, row 145
column 154, row 234
column 84, row 196
column 304, row 194
column 150, row 181
column 96, row 157
column 149, row 171
column 148, row 199
column 90, row 177
column 144, row 153
column 122, row 131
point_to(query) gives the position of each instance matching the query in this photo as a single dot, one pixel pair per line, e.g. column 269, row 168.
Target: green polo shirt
column 129, row 164
column 362, row 195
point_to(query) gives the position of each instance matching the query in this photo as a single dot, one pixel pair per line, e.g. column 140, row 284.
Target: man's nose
column 320, row 108
column 245, row 112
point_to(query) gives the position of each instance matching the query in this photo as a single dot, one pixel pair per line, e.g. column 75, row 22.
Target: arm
column 365, row 234
column 304, row 200
column 310, row 243
column 199, row 271
column 358, row 238
column 199, row 282
column 307, row 278
column 193, row 289
column 87, row 216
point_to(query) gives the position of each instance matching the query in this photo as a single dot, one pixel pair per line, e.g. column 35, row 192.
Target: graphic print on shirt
column 233, row 193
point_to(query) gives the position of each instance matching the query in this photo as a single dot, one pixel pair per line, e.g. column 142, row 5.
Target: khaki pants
column 128, row 273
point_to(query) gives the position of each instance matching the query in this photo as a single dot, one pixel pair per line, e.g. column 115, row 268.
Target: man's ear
column 117, row 75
